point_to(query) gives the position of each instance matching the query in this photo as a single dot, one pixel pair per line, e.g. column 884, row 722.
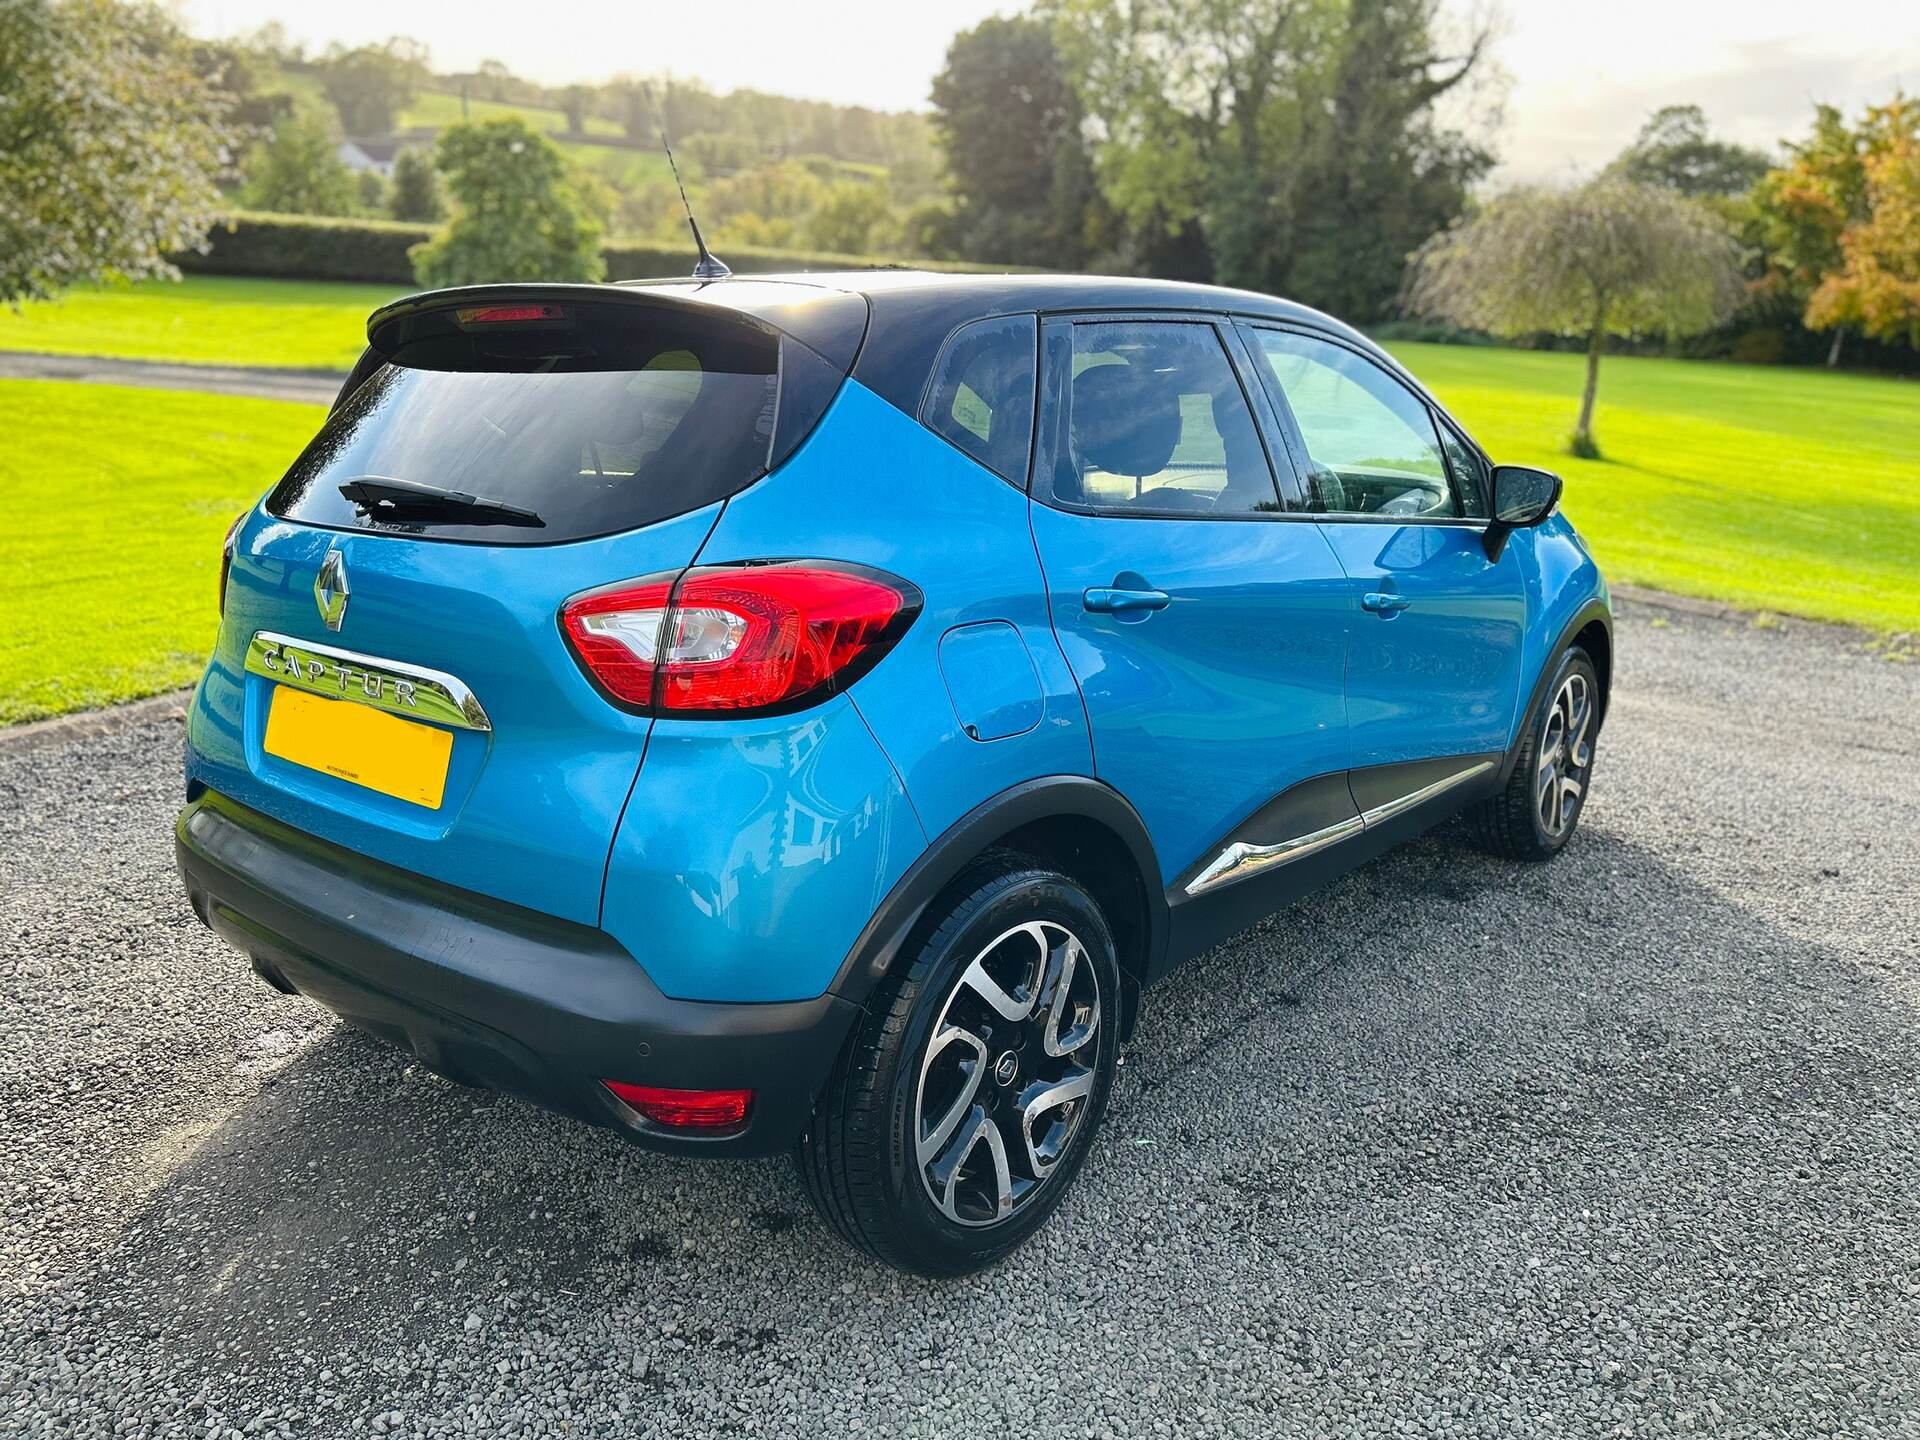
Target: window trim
column 1021, row 478
column 1047, row 410
column 1297, row 441
column 1482, row 484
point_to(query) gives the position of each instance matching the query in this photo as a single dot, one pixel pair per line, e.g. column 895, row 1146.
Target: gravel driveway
column 1629, row 1144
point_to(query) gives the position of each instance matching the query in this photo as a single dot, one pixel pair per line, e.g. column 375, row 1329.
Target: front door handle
column 1116, row 602
column 1383, row 602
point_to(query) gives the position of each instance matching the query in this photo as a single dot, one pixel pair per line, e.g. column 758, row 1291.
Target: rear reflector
column 739, row 639
column 686, row 1109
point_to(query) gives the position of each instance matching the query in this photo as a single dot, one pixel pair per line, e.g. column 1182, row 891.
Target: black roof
column 913, row 311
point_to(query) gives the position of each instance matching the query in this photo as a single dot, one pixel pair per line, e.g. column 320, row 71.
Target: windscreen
column 559, row 423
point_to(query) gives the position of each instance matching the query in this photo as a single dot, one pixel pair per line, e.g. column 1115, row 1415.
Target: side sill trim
column 1240, row 860
column 1391, row 808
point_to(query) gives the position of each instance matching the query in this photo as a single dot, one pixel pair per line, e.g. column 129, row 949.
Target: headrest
column 1124, row 422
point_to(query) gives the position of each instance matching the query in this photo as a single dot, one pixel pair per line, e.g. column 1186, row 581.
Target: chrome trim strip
column 1240, row 859
column 391, row 685
column 1425, row 792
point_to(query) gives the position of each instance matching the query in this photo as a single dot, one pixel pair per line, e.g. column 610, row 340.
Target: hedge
column 312, row 247
column 308, row 247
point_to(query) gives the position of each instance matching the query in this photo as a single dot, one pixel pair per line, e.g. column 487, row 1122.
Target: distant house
column 375, row 155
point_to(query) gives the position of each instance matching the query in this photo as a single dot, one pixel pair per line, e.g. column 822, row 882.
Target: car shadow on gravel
column 1437, row 1049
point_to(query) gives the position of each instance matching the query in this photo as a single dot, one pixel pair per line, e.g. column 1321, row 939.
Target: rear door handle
column 1383, row 603
column 1115, row 602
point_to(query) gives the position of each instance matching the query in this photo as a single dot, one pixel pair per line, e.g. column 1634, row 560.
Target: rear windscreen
column 585, row 420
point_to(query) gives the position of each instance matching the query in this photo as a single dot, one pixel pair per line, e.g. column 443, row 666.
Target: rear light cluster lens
column 226, row 555
column 686, row 1109
column 739, row 639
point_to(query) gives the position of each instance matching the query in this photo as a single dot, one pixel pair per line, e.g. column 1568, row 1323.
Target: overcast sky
column 1580, row 76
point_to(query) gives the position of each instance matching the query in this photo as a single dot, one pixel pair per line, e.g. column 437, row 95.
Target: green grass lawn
column 205, row 319
column 1778, row 489
column 117, row 500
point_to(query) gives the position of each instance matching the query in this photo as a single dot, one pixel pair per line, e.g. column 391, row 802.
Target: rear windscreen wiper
column 383, row 499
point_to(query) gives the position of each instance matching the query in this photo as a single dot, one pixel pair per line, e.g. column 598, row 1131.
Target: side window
column 1371, row 443
column 982, row 395
column 1154, row 422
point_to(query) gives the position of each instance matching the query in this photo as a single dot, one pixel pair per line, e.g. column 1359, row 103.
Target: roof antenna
column 709, row 266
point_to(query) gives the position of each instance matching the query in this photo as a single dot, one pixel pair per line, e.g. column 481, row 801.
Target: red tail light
column 739, row 639
column 686, row 1109
column 226, row 555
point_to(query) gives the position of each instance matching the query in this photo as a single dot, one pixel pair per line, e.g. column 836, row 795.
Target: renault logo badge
column 330, row 589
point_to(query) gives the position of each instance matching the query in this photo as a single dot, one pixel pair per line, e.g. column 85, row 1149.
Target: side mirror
column 1522, row 498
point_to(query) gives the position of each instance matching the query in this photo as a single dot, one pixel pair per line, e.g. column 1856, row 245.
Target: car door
column 1434, row 661
column 1206, row 626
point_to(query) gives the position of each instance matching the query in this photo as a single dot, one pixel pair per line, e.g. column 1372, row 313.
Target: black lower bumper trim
column 493, row 994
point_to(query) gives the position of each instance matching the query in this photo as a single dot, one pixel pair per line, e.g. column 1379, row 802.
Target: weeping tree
column 1609, row 258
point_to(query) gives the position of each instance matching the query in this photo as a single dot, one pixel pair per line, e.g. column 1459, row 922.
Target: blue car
column 808, row 713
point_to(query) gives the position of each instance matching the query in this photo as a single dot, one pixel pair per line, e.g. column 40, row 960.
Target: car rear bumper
column 492, row 994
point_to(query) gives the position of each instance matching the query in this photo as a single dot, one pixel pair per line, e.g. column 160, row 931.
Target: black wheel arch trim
column 1047, row 797
column 1595, row 610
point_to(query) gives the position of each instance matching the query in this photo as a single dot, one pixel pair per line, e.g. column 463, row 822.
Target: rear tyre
column 1534, row 817
column 963, row 1106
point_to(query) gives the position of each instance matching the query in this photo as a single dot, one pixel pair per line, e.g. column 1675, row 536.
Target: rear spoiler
column 829, row 322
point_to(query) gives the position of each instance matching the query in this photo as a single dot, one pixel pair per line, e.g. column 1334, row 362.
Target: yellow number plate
column 360, row 744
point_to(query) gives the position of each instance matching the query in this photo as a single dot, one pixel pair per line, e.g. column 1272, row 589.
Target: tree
column 272, row 41
column 1802, row 208
column 416, row 187
column 1376, row 172
column 1675, row 149
column 1186, row 99
column 1876, row 286
column 576, row 102
column 372, row 193
column 847, row 217
column 517, row 215
column 297, row 168
column 1294, row 141
column 763, row 206
column 1008, row 120
column 235, row 73
column 496, row 80
column 632, row 102
column 112, row 145
column 370, row 85
column 1805, row 210
column 1611, row 257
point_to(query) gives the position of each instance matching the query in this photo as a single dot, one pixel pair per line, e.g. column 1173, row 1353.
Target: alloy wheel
column 1565, row 757
column 1007, row 1075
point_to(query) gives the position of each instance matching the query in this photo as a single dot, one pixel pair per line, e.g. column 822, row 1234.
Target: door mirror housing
column 1522, row 498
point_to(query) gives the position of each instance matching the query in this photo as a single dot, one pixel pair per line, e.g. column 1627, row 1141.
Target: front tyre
column 964, row 1104
column 1535, row 815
